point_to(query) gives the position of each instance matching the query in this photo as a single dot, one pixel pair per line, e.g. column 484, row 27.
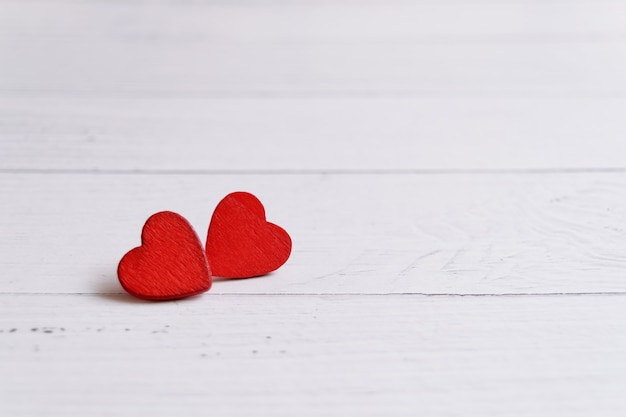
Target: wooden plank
column 464, row 234
column 102, row 48
column 312, row 20
column 313, row 355
column 475, row 70
column 311, row 134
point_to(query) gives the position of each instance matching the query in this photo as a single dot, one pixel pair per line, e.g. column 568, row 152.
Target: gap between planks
column 321, row 294
column 304, row 94
column 494, row 171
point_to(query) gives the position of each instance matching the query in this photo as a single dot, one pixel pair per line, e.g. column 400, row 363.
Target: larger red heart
column 169, row 264
column 241, row 243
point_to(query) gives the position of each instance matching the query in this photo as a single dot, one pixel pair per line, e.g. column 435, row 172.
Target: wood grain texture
column 151, row 134
column 313, row 355
column 113, row 48
column 482, row 233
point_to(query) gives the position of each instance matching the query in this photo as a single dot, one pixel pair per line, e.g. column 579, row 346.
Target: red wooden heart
column 241, row 243
column 169, row 264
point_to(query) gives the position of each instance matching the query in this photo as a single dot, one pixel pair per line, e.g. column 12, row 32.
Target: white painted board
column 462, row 234
column 196, row 49
column 313, row 355
column 322, row 134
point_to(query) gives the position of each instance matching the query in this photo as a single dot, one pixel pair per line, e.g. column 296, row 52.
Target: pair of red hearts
column 171, row 262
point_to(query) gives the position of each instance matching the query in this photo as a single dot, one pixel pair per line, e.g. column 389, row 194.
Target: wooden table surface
column 452, row 174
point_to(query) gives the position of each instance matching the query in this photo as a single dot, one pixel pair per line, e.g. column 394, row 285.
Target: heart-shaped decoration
column 169, row 264
column 241, row 243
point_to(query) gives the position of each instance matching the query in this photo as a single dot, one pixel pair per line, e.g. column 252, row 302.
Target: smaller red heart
column 170, row 263
column 241, row 243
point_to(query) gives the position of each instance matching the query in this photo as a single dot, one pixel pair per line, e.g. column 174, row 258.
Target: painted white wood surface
column 476, row 234
column 112, row 48
column 410, row 148
column 313, row 355
column 311, row 134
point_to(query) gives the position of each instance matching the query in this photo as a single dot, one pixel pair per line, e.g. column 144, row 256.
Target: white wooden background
column 452, row 174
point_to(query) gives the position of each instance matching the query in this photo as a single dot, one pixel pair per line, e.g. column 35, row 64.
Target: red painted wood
column 241, row 243
column 169, row 264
